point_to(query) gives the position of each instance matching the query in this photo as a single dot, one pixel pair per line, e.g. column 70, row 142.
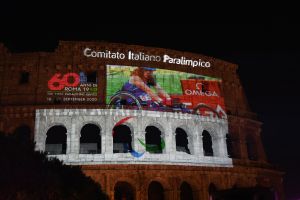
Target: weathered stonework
column 26, row 105
column 75, row 119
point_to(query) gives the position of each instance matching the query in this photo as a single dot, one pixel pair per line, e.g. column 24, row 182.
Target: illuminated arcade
column 146, row 123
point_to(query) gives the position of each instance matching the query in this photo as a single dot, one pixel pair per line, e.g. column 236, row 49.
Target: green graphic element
column 153, row 149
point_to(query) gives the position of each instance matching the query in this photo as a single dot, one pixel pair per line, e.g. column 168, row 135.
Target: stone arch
column 186, row 191
column 83, row 123
column 189, row 131
column 130, row 180
column 207, row 142
column 156, row 124
column 194, row 186
column 211, row 128
column 184, row 126
column 216, row 137
column 165, row 183
column 131, row 122
column 124, row 190
column 50, row 125
column 154, row 143
column 183, row 140
column 191, row 181
column 130, row 125
column 56, row 140
column 122, row 139
column 90, row 139
column 156, row 191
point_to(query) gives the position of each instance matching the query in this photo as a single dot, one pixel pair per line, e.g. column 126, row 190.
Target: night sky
column 267, row 54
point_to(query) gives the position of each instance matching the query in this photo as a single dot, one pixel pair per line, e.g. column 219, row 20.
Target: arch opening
column 90, row 140
column 154, row 142
column 122, row 139
column 212, row 191
column 124, row 190
column 207, row 144
column 155, row 191
column 182, row 141
column 56, row 140
column 186, row 192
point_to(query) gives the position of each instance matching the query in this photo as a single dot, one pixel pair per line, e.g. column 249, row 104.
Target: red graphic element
column 58, row 81
column 121, row 122
column 203, row 96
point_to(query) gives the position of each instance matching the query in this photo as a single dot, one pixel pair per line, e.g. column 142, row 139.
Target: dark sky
column 266, row 51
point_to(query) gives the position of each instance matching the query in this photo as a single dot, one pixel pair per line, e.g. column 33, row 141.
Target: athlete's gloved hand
column 158, row 104
column 167, row 102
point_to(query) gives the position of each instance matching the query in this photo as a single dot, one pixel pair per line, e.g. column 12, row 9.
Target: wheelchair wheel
column 200, row 106
column 123, row 99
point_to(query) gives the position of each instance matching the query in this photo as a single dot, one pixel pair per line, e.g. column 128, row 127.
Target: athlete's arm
column 161, row 93
column 138, row 82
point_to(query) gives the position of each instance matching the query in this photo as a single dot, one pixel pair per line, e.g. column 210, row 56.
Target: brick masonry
column 22, row 104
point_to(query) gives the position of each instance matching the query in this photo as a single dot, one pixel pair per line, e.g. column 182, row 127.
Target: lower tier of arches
column 147, row 182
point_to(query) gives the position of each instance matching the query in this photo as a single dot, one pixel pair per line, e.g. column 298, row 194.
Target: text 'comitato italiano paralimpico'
column 140, row 56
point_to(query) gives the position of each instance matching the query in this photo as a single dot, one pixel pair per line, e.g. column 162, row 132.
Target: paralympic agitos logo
column 149, row 148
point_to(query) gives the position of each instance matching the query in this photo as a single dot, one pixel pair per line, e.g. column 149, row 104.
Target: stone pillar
column 172, row 143
column 168, row 139
column 111, row 195
column 40, row 134
column 169, row 194
column 108, row 136
column 143, row 192
column 74, row 138
column 176, row 194
column 220, row 148
column 139, row 133
column 103, row 140
column 69, row 135
column 197, row 143
column 137, row 144
column 138, row 194
column 103, row 135
column 196, row 194
column 204, row 194
column 219, row 142
column 191, row 136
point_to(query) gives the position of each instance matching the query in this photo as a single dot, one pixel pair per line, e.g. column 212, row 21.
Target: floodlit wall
column 194, row 125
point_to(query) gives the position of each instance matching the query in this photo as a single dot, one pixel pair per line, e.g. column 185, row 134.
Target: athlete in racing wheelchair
column 142, row 91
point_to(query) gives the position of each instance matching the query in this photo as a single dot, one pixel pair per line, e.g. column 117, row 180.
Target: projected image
column 163, row 90
column 72, row 87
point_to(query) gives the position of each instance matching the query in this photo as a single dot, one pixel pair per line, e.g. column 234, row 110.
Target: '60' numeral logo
column 59, row 81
